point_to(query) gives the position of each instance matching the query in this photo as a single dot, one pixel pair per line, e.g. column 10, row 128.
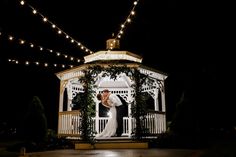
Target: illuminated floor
column 118, row 153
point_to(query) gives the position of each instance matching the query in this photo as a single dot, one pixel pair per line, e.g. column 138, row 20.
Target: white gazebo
column 68, row 121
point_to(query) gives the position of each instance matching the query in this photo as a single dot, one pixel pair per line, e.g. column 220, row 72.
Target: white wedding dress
column 110, row 128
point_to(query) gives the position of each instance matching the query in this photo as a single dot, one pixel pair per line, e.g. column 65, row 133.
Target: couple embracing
column 114, row 126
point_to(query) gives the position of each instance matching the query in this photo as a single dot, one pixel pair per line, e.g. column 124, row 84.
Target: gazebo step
column 114, row 139
column 112, row 144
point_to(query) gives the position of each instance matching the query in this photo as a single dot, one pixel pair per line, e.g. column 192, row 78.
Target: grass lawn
column 3, row 148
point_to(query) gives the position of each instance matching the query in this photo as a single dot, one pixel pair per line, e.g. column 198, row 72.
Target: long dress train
column 110, row 128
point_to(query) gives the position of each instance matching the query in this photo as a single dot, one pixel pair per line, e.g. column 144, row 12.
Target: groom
column 120, row 110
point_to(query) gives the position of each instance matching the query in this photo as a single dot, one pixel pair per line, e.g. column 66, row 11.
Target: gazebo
column 70, row 86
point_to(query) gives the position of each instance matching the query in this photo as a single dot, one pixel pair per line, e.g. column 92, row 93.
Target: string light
column 22, row 42
column 32, row 45
column 72, row 40
column 10, row 37
column 127, row 20
column 59, row 30
column 22, row 2
column 37, row 63
column 34, row 12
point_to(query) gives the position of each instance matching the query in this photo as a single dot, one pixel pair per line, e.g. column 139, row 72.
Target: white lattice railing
column 68, row 125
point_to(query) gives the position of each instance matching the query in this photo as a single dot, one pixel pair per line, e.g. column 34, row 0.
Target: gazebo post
column 61, row 94
column 129, row 112
column 156, row 107
column 163, row 103
column 69, row 95
column 62, row 89
column 97, row 115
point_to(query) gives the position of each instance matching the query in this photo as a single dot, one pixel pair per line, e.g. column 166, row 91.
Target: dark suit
column 120, row 113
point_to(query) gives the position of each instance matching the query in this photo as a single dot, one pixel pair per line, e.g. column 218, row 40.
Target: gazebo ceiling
column 113, row 84
column 122, row 81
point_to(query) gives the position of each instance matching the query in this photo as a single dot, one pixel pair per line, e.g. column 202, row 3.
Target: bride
column 111, row 125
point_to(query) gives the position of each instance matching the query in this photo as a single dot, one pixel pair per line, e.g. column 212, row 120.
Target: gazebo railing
column 69, row 121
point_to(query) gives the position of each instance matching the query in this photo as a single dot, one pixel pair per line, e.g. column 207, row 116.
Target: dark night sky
column 190, row 42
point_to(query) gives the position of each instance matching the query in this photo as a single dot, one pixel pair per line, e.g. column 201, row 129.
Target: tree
column 35, row 122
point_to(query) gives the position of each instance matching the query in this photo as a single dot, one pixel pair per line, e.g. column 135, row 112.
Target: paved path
column 118, row 153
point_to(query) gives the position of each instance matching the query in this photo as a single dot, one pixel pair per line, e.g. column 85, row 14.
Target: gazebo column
column 97, row 114
column 163, row 103
column 61, row 95
column 156, row 108
column 129, row 99
column 69, row 96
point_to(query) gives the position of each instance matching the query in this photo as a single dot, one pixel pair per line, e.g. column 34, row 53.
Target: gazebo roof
column 113, row 55
column 107, row 58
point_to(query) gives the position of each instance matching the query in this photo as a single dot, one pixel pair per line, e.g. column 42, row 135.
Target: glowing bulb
column 45, row 19
column 71, row 58
column 119, row 36
column 78, row 60
column 66, row 56
column 27, row 63
column 9, row 60
column 22, row 2
column 129, row 20
column 17, row 62
column 51, row 51
column 59, row 32
column 79, row 44
column 37, row 63
column 67, row 36
column 22, row 41
column 63, row 66
column 58, row 54
column 132, row 12
column 32, row 45
column 53, row 26
column 34, row 11
column 121, row 32
column 71, row 66
column 41, row 49
column 72, row 40
column 122, row 26
column 135, row 3
column 55, row 65
column 45, row 64
column 82, row 47
column 10, row 38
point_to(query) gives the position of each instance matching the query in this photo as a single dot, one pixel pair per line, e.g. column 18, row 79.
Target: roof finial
column 113, row 43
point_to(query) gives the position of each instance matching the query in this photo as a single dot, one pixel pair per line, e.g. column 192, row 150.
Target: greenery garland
column 138, row 108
